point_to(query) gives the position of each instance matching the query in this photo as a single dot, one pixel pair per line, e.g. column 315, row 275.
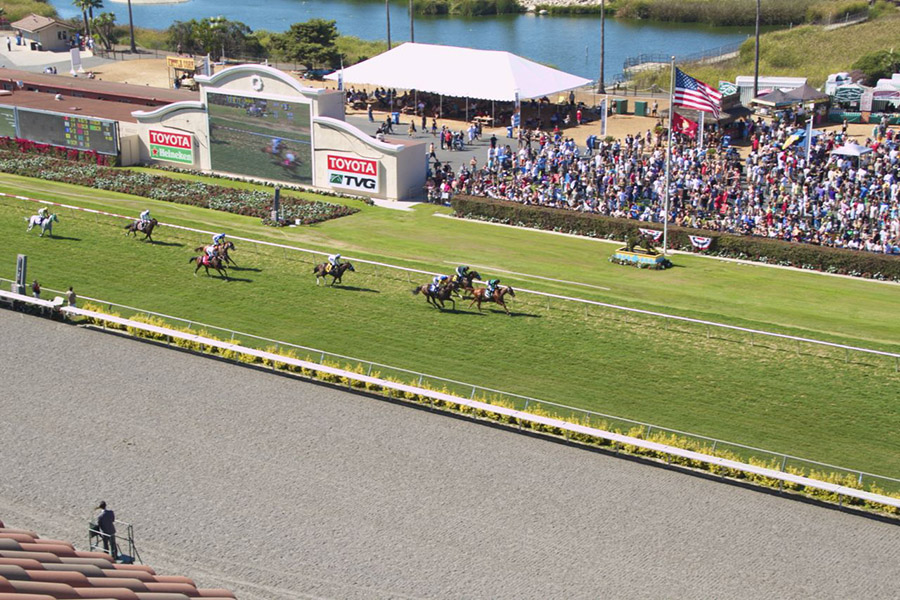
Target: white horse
column 46, row 225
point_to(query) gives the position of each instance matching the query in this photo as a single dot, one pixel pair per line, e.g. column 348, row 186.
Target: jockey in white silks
column 145, row 219
column 43, row 213
column 334, row 260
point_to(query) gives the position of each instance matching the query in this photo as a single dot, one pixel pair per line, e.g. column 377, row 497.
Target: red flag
column 684, row 125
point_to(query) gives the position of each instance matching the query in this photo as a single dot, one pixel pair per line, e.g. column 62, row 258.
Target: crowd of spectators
column 773, row 192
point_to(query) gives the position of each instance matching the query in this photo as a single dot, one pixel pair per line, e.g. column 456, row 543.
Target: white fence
column 547, row 296
column 516, row 415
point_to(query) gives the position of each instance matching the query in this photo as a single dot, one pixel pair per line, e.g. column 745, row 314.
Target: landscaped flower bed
column 195, row 193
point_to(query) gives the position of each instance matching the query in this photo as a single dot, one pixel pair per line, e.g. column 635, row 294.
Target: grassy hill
column 806, row 51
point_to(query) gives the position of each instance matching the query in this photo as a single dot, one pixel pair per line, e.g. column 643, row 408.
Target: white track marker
column 596, row 287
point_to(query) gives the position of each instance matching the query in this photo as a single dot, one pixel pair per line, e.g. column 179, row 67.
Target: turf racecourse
column 817, row 407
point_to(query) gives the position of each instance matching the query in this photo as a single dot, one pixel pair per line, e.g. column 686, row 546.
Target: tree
column 878, row 65
column 311, row 43
column 83, row 5
column 104, row 28
column 213, row 36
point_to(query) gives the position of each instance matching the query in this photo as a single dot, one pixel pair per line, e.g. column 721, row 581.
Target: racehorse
column 464, row 284
column 206, row 261
column 321, row 270
column 46, row 225
column 480, row 295
column 443, row 293
column 221, row 251
column 146, row 229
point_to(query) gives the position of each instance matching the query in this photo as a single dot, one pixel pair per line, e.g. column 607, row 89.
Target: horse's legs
column 503, row 304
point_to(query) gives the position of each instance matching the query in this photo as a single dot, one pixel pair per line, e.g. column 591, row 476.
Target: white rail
column 746, row 330
column 617, row 438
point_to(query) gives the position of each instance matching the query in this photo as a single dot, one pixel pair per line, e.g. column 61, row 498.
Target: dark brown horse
column 464, row 284
column 321, row 270
column 440, row 295
column 481, row 295
column 206, row 261
column 135, row 228
column 221, row 251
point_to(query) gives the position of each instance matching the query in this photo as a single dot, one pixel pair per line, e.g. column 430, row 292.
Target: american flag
column 691, row 93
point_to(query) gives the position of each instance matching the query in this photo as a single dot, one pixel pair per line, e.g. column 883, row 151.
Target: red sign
column 359, row 166
column 173, row 140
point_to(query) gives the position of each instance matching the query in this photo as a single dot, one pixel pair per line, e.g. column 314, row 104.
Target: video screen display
column 7, row 121
column 262, row 138
column 69, row 131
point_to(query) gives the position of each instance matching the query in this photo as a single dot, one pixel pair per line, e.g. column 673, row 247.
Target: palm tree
column 103, row 28
column 92, row 4
column 83, row 5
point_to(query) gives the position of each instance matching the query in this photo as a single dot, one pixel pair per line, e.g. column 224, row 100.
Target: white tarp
column 460, row 72
column 851, row 149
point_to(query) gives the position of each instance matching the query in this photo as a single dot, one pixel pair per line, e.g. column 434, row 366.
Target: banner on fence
column 653, row 234
column 700, row 243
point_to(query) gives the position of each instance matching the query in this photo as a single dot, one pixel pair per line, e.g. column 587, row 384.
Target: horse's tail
column 416, row 290
column 316, row 268
column 192, row 259
column 129, row 226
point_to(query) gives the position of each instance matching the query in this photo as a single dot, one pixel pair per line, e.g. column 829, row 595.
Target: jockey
column 492, row 286
column 438, row 281
column 218, row 238
column 211, row 250
column 145, row 219
column 43, row 213
column 335, row 261
column 461, row 272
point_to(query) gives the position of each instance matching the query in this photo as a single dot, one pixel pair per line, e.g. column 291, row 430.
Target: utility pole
column 131, row 28
column 387, row 10
column 412, row 33
column 756, row 59
column 602, row 87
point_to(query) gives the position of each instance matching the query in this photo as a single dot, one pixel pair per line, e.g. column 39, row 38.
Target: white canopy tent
column 460, row 72
column 851, row 149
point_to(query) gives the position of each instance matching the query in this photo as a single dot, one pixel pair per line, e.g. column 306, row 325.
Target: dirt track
column 282, row 490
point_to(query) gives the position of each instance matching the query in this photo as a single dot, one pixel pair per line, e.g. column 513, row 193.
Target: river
column 569, row 43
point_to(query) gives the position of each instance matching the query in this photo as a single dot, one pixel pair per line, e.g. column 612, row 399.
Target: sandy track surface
column 281, row 489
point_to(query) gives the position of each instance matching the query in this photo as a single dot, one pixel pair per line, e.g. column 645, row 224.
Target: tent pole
column 467, row 109
column 493, row 118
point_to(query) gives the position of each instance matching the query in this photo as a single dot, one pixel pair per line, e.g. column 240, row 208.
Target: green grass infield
column 776, row 395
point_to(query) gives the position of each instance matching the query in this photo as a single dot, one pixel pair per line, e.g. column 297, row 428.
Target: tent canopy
column 851, row 149
column 460, row 72
column 775, row 99
column 807, row 93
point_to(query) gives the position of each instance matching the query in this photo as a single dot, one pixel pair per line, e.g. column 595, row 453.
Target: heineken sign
column 353, row 173
column 173, row 147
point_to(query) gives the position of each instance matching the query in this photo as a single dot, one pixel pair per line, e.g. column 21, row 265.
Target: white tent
column 460, row 72
column 851, row 149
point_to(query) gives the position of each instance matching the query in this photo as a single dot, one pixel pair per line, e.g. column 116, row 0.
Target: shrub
column 75, row 169
column 804, row 256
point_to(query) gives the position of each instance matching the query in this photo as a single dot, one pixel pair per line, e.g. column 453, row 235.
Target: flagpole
column 809, row 128
column 702, row 123
column 669, row 159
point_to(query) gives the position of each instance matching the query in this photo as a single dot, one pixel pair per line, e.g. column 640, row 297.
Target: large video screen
column 260, row 137
column 69, row 131
column 7, row 121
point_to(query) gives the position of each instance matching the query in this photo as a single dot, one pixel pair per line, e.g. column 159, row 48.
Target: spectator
column 71, row 299
column 36, row 289
column 106, row 524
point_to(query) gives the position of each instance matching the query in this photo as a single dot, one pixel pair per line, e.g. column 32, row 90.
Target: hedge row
column 195, row 193
column 793, row 254
column 23, row 146
column 637, row 432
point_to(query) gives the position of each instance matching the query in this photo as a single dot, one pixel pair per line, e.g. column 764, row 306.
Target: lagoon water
column 567, row 43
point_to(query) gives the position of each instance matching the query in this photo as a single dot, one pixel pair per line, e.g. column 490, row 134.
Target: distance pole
column 669, row 159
